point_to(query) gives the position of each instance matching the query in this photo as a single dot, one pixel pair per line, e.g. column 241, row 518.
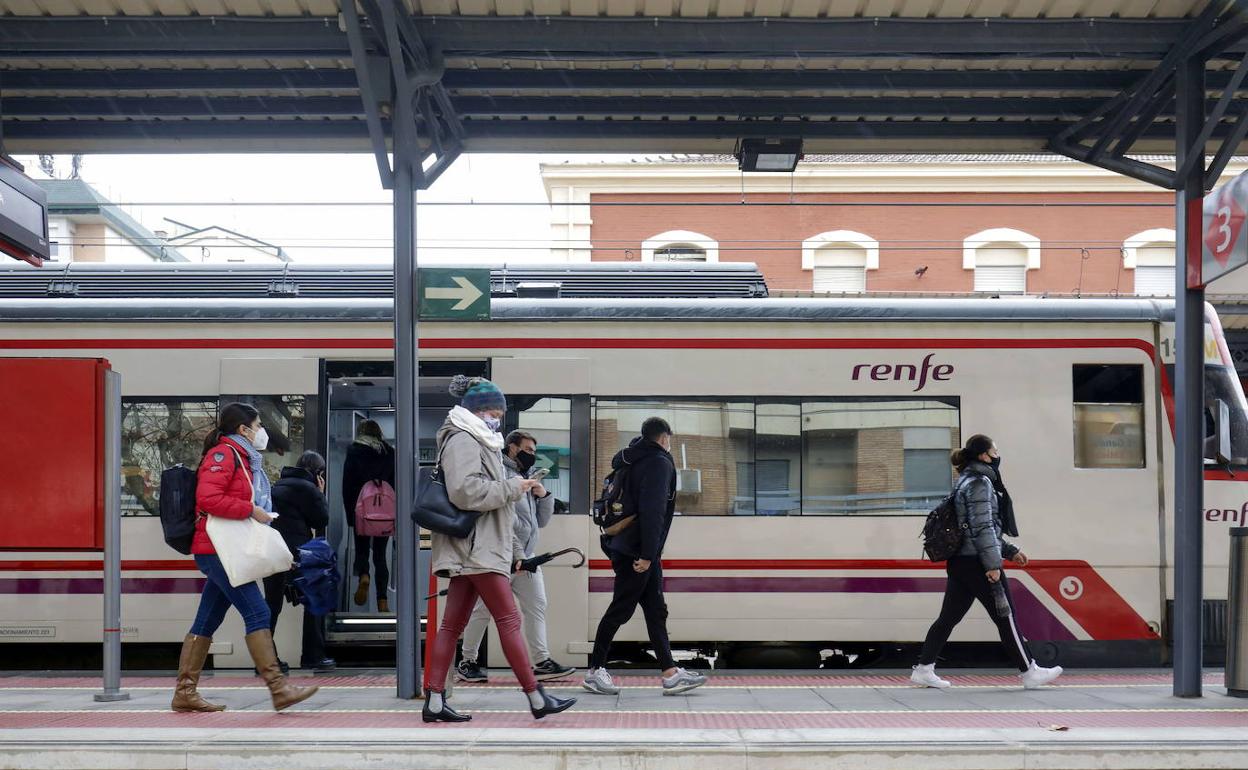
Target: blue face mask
column 493, row 423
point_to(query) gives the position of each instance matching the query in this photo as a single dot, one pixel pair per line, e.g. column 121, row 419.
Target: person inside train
column 369, row 459
column 480, row 565
column 231, row 484
column 532, row 512
column 976, row 572
column 650, row 492
column 299, row 500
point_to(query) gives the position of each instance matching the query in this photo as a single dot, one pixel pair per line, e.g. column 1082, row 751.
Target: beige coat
column 476, row 481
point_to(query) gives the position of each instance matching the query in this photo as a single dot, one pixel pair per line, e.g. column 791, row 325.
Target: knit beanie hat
column 476, row 394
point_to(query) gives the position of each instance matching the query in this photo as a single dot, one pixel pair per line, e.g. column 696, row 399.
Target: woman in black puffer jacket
column 976, row 573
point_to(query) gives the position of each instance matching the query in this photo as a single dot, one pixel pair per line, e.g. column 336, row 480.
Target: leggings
column 219, row 595
column 364, row 545
column 495, row 590
column 966, row 583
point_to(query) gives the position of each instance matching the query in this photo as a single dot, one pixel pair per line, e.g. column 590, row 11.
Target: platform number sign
column 1225, row 240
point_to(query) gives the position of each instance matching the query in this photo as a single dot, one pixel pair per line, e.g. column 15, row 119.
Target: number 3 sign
column 1224, row 249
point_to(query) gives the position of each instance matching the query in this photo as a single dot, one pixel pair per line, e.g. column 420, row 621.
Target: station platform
column 863, row 720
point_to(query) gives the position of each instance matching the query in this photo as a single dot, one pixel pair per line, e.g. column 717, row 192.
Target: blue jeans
column 218, row 595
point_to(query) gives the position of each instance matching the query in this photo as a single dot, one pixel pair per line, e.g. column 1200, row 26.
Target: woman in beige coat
column 480, row 565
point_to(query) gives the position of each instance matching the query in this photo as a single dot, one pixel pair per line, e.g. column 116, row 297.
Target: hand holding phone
column 539, row 474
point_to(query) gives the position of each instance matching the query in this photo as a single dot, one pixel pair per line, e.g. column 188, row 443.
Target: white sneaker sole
column 682, row 688
column 926, row 686
column 598, row 689
column 460, row 678
column 552, row 675
column 1042, row 683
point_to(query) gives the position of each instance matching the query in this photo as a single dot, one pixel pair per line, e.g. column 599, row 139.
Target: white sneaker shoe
column 1038, row 676
column 682, row 681
column 925, row 676
column 599, row 682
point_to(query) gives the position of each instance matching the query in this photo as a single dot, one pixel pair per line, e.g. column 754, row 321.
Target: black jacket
column 364, row 464
column 650, row 493
column 303, row 512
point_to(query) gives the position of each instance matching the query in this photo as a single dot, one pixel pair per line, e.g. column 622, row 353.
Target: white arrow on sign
column 467, row 293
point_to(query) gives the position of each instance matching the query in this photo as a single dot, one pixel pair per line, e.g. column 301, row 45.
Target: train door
column 364, row 390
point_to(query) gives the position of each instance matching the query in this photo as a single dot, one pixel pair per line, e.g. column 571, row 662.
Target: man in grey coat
column 532, row 513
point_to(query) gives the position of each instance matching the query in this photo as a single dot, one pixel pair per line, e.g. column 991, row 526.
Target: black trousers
column 313, row 627
column 965, row 584
column 364, row 545
column 631, row 589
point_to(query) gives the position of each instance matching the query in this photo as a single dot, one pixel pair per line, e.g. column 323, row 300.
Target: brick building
column 925, row 224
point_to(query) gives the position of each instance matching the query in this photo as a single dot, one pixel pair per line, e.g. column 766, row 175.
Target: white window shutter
column 1001, row 279
column 844, row 280
column 1154, row 280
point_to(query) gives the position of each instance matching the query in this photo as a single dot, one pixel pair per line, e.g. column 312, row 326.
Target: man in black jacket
column 303, row 513
column 650, row 494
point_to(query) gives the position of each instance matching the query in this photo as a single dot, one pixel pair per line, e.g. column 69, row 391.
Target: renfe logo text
column 919, row 374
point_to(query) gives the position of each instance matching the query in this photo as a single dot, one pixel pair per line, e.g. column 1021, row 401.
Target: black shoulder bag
column 434, row 510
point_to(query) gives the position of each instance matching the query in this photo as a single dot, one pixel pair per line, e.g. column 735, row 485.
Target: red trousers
column 495, row 590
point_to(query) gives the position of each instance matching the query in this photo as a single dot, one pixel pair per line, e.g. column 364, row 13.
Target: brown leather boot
column 285, row 694
column 190, row 663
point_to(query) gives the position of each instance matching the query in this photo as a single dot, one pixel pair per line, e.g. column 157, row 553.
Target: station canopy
column 597, row 75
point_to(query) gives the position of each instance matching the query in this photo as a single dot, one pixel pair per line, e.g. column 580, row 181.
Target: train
column 812, row 437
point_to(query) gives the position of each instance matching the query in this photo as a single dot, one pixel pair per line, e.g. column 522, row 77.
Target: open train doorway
column 356, row 391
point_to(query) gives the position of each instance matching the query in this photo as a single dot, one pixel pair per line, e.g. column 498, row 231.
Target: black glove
column 528, row 565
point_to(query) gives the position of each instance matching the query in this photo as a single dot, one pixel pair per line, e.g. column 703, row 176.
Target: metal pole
column 406, row 361
column 112, row 541
column 1189, row 319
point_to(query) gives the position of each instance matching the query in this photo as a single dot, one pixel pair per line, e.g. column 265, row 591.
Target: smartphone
column 539, row 474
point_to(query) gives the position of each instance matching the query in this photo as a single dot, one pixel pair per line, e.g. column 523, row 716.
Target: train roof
column 1014, row 309
column 580, row 280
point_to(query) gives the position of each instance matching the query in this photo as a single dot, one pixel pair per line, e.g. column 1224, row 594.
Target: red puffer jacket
column 223, row 489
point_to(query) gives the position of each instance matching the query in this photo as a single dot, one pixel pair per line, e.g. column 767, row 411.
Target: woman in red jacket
column 232, row 485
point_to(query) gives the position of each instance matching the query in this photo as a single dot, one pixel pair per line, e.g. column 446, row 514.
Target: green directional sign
column 462, row 295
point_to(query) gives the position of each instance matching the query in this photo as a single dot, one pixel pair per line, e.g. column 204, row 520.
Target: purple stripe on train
column 59, row 585
column 1034, row 618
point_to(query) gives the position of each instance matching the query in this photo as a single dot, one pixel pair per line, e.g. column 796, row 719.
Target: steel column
column 1189, row 382
column 406, row 362
column 112, row 541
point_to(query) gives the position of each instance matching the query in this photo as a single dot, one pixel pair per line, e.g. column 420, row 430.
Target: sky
column 335, row 234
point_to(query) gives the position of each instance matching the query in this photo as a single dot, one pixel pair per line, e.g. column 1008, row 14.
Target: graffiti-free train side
column 811, row 439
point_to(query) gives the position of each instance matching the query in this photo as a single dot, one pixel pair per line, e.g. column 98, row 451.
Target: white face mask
column 491, row 422
column 261, row 440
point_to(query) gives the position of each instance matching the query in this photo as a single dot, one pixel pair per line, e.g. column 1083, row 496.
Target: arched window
column 1151, row 255
column 840, row 260
column 680, row 246
column 1001, row 258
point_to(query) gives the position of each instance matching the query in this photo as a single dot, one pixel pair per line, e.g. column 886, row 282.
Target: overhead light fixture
column 771, row 155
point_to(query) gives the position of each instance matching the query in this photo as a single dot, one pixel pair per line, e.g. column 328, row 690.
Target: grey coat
column 532, row 514
column 476, row 481
column 979, row 513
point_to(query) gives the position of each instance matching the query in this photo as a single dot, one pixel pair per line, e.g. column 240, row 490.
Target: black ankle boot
column 552, row 704
column 447, row 714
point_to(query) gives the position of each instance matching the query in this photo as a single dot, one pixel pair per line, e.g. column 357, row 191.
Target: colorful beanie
column 477, row 394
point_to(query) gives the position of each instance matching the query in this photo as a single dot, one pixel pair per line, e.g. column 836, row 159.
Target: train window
column 1109, row 415
column 549, row 420
column 785, row 458
column 284, row 419
column 157, row 433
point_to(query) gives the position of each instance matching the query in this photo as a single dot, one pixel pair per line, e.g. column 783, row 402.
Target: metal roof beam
column 554, row 38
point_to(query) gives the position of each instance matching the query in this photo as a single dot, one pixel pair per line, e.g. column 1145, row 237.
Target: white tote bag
column 248, row 550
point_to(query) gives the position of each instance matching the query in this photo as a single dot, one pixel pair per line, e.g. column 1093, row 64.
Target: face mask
column 525, row 460
column 493, row 423
column 996, row 463
column 261, row 440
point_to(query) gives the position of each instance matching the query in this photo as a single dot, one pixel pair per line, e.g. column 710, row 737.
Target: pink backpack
column 374, row 510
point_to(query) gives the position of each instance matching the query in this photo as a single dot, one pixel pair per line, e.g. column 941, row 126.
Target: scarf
column 262, row 488
column 473, row 425
column 373, row 443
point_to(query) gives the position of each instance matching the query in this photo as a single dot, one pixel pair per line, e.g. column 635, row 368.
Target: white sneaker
column 1038, row 676
column 682, row 681
column 925, row 676
column 598, row 681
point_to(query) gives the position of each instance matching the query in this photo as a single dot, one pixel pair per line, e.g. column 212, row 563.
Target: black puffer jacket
column 980, row 512
column 364, row 464
column 303, row 512
column 650, row 493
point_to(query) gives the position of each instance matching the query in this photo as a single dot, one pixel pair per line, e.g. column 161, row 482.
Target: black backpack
column 177, row 507
column 608, row 509
column 942, row 534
